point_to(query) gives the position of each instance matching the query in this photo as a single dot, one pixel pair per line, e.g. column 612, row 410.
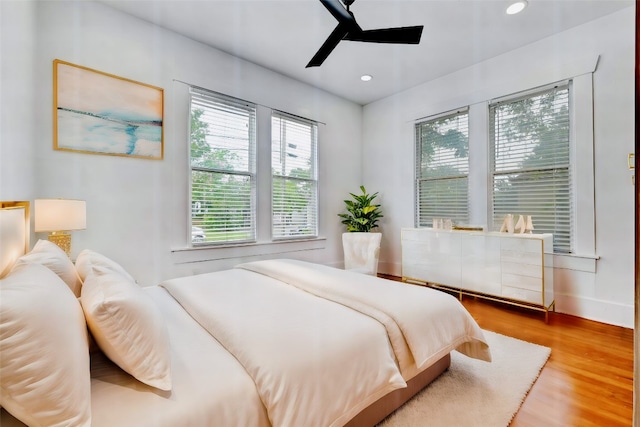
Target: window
column 223, row 140
column 294, row 181
column 530, row 158
column 442, row 168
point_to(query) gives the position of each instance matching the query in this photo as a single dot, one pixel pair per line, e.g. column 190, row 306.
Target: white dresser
column 513, row 268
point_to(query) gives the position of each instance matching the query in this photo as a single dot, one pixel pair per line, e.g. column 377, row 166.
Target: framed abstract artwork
column 99, row 113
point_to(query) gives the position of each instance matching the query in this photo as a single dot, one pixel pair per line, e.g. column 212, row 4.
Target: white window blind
column 442, row 169
column 222, row 140
column 530, row 162
column 294, row 181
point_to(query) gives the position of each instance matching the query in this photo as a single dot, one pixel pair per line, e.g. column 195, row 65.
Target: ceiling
column 283, row 35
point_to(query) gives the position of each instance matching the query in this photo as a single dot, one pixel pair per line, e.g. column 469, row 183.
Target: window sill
column 210, row 253
column 576, row 262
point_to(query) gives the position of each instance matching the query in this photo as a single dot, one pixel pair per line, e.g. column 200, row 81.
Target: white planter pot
column 361, row 252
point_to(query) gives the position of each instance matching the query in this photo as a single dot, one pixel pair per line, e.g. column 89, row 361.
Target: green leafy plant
column 361, row 214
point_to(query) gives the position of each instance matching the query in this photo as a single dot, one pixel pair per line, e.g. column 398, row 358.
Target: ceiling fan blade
column 327, row 47
column 338, row 11
column 401, row 35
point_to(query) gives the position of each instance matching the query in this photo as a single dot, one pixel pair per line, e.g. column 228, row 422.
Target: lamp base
column 63, row 240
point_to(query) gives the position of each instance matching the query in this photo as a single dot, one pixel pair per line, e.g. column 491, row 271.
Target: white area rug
column 473, row 393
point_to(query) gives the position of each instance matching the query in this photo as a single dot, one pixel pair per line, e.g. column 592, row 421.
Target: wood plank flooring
column 587, row 381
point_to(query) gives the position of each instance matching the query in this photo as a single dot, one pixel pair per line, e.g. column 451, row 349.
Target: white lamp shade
column 60, row 215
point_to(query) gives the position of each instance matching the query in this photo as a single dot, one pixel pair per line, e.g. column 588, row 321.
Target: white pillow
column 56, row 260
column 87, row 259
column 128, row 326
column 44, row 362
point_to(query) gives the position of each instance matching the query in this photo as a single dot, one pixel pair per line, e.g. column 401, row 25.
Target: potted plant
column 361, row 247
column 362, row 215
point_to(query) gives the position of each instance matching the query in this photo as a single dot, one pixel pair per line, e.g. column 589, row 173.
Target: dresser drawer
column 531, row 270
column 521, row 282
column 525, row 295
column 521, row 243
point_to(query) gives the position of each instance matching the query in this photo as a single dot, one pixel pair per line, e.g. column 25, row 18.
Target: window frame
column 313, row 179
column 493, row 221
column 418, row 178
column 250, row 173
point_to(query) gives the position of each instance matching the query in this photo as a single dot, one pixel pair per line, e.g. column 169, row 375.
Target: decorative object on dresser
column 361, row 247
column 523, row 225
column 528, row 228
column 467, row 227
column 507, row 224
column 512, row 268
column 58, row 216
column 442, row 223
column 520, row 225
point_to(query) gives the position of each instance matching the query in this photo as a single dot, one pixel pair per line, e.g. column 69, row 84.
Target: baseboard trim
column 610, row 312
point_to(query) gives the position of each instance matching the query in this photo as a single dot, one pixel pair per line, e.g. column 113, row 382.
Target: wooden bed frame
column 383, row 407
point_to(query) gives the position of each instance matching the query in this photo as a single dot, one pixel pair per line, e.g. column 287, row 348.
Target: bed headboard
column 14, row 233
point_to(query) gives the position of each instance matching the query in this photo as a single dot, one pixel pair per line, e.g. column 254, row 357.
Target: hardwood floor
column 587, row 381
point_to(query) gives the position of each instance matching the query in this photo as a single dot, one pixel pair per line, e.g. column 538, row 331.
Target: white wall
column 601, row 290
column 137, row 209
column 17, row 99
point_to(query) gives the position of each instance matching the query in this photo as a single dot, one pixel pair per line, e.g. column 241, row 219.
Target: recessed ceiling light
column 365, row 77
column 516, row 7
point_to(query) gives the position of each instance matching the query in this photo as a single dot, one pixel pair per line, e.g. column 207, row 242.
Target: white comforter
column 423, row 324
column 314, row 362
column 281, row 352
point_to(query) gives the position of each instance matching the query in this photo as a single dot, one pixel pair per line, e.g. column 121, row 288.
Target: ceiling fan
column 348, row 29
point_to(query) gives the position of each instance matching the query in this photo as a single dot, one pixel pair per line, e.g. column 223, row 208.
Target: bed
column 268, row 343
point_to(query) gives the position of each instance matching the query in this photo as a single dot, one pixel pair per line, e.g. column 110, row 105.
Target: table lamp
column 58, row 216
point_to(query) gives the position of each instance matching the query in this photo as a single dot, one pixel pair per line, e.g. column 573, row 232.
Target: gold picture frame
column 100, row 113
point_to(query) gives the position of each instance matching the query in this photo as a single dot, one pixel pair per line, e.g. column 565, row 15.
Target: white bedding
column 314, row 362
column 423, row 324
column 282, row 343
column 210, row 387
